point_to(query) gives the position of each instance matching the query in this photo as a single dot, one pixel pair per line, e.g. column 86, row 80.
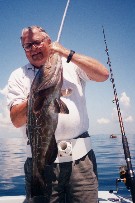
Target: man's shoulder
column 21, row 71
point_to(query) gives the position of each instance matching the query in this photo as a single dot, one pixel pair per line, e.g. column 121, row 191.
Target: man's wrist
column 70, row 56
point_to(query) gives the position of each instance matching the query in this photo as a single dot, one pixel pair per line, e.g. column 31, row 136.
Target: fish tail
column 38, row 185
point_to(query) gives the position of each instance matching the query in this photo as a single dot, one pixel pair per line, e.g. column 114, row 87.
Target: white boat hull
column 104, row 197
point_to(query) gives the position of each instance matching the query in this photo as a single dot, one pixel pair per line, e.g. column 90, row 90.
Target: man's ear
column 49, row 41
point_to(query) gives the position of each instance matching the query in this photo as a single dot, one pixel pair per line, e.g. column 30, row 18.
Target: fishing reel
column 124, row 177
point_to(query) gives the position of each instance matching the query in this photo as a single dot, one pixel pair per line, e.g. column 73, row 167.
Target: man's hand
column 56, row 47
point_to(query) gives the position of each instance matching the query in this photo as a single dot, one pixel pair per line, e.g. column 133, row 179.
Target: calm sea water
column 109, row 153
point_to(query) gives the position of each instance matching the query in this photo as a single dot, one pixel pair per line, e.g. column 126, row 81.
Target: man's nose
column 33, row 46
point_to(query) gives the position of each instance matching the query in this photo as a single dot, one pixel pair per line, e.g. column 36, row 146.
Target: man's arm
column 94, row 69
column 18, row 114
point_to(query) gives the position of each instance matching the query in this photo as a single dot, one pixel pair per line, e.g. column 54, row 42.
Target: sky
column 82, row 32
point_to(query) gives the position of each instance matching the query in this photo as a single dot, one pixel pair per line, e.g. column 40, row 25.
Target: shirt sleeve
column 82, row 74
column 16, row 88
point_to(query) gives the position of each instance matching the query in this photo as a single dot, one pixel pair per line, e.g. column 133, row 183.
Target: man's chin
column 37, row 63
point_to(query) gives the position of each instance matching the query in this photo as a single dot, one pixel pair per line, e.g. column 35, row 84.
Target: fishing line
column 62, row 22
column 130, row 177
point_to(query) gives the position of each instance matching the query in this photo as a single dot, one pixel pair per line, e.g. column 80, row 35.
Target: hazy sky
column 82, row 32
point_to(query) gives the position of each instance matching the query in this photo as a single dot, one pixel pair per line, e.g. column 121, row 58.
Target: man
column 75, row 176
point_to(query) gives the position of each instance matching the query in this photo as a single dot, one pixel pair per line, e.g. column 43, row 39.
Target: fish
column 44, row 105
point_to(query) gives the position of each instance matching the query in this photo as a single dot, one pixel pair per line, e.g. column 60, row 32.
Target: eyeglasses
column 37, row 44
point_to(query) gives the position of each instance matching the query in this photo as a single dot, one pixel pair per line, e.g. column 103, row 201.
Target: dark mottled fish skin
column 44, row 104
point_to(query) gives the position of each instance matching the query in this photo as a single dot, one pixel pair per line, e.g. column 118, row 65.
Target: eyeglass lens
column 28, row 46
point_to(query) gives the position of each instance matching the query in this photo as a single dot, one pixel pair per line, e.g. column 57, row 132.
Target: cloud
column 4, row 114
column 103, row 121
column 129, row 119
column 124, row 99
column 4, row 118
column 5, row 121
column 124, row 102
column 114, row 114
column 6, row 126
column 4, row 91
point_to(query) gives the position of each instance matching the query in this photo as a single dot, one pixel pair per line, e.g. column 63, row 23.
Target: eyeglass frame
column 33, row 43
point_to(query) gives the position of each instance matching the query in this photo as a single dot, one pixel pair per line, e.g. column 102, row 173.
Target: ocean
column 109, row 153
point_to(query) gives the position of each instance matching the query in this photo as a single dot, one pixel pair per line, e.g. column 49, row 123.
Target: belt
column 83, row 135
column 73, row 149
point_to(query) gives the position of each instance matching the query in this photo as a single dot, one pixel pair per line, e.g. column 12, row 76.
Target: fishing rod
column 62, row 22
column 129, row 177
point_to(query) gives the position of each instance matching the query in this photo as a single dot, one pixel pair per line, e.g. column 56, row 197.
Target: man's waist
column 83, row 135
column 71, row 149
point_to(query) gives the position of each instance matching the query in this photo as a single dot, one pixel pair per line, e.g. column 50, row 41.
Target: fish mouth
column 37, row 56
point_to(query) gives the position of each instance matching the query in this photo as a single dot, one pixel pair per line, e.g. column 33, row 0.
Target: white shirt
column 69, row 125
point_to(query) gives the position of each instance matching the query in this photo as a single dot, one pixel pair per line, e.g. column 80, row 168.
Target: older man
column 75, row 177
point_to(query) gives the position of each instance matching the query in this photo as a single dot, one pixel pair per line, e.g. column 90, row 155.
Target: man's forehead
column 33, row 33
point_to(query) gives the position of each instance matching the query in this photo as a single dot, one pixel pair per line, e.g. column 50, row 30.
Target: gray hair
column 31, row 28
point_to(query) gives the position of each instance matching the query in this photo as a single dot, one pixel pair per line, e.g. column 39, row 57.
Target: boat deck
column 104, row 197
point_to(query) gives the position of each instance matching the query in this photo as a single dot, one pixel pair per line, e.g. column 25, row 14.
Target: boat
column 113, row 136
column 104, row 197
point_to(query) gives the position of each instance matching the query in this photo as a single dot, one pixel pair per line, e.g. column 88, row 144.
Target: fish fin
column 57, row 106
column 66, row 92
column 61, row 107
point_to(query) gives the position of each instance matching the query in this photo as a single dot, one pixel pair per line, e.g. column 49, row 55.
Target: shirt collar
column 33, row 68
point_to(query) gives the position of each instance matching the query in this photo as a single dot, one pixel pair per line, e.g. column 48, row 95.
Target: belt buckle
column 64, row 148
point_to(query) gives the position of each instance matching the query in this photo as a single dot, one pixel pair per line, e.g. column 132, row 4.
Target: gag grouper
column 44, row 104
